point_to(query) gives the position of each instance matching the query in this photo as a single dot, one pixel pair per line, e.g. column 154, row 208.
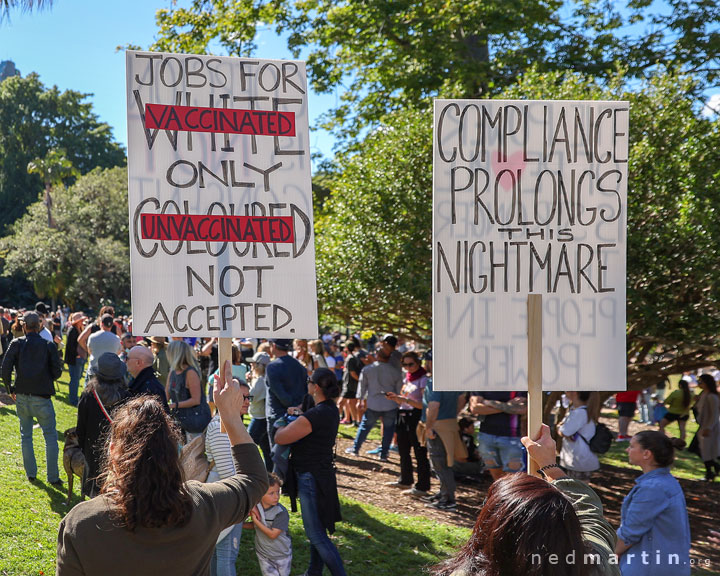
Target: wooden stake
column 224, row 353
column 534, row 371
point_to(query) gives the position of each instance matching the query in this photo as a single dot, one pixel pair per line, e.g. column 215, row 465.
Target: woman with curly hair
column 147, row 521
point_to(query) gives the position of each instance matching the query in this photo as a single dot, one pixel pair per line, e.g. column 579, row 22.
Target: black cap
column 282, row 343
column 40, row 308
column 428, row 355
column 107, row 320
column 390, row 339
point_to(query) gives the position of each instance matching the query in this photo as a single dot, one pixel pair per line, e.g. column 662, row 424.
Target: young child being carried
column 272, row 540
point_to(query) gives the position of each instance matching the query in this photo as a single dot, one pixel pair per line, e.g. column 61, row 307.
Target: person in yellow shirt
column 678, row 404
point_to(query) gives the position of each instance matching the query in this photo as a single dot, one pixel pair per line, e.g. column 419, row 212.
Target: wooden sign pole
column 534, row 371
column 224, row 353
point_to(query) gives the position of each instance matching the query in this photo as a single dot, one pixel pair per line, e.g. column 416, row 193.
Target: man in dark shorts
column 349, row 401
column 626, row 404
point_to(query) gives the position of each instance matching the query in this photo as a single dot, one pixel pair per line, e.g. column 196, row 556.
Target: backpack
column 602, row 440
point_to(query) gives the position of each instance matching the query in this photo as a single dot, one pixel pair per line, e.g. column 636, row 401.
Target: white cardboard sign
column 220, row 198
column 529, row 197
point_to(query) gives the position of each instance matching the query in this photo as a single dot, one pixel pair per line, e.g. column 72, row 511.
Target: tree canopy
column 6, row 6
column 374, row 234
column 84, row 258
column 388, row 55
column 35, row 120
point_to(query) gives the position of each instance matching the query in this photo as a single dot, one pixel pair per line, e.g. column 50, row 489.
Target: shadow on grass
column 4, row 410
column 385, row 548
column 57, row 496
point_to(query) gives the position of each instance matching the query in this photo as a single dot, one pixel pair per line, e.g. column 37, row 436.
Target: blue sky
column 73, row 46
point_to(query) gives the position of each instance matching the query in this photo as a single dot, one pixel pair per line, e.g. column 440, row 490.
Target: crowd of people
column 696, row 396
column 141, row 398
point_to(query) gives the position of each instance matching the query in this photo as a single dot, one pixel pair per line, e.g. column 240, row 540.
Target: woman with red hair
column 532, row 527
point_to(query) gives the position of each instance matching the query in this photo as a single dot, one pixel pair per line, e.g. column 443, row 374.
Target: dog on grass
column 73, row 459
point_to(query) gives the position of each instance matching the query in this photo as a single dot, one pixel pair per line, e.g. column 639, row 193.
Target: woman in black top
column 313, row 437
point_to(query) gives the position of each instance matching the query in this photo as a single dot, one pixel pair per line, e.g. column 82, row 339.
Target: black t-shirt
column 352, row 364
column 502, row 424
column 315, row 451
column 213, row 359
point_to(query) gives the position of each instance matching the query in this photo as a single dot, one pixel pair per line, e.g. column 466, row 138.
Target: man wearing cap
column 37, row 365
column 389, row 343
column 102, row 341
column 286, row 381
column 140, row 365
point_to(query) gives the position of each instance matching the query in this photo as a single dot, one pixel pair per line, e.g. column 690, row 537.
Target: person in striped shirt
column 218, row 451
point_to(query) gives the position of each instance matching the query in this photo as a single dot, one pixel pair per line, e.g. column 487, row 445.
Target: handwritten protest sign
column 221, row 222
column 529, row 197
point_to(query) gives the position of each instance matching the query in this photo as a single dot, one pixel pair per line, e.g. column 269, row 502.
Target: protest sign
column 220, row 198
column 529, row 197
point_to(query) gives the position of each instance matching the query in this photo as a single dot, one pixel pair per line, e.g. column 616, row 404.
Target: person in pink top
column 407, row 420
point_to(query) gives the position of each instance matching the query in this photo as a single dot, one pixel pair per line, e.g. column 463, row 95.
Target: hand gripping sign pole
column 224, row 353
column 535, row 409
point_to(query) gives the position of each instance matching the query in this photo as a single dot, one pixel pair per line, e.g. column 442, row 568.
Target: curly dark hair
column 142, row 477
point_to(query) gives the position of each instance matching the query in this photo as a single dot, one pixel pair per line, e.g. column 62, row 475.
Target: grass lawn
column 686, row 465
column 370, row 540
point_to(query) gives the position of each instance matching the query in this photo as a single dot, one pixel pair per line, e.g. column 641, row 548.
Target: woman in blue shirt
column 654, row 533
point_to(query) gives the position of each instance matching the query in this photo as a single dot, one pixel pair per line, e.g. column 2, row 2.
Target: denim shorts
column 503, row 452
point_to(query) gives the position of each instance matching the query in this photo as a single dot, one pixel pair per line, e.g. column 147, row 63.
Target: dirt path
column 363, row 478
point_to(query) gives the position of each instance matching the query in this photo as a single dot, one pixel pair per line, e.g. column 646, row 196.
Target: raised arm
column 596, row 529
column 234, row 497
